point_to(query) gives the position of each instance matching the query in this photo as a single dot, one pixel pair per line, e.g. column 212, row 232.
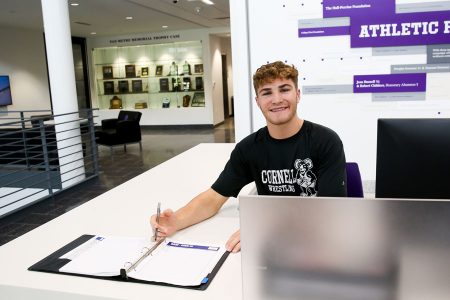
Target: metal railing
column 42, row 154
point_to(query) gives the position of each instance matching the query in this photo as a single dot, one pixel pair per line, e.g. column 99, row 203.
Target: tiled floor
column 158, row 146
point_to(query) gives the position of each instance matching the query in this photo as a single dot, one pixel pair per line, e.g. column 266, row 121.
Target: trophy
column 173, row 69
column 115, row 103
column 186, row 68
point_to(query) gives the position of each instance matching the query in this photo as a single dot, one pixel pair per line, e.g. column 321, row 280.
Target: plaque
column 108, row 87
column 136, row 86
column 123, row 86
column 164, row 85
column 140, row 105
column 198, row 99
column 130, row 71
column 144, row 72
column 199, row 83
column 186, row 68
column 198, row 68
column 107, row 72
column 159, row 70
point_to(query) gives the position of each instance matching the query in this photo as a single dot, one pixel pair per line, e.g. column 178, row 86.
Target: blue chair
column 354, row 183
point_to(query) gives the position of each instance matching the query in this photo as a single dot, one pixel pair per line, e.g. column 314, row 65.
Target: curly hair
column 277, row 70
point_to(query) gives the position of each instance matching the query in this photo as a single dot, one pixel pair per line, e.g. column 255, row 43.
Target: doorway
column 81, row 72
column 226, row 109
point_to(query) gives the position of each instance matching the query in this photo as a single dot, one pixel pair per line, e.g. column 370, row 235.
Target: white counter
column 125, row 211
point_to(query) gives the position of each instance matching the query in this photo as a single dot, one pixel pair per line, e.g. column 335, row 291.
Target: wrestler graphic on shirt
column 305, row 178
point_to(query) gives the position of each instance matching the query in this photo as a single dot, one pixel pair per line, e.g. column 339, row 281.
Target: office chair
column 354, row 182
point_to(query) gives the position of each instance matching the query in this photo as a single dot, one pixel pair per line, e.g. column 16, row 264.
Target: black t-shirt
column 309, row 163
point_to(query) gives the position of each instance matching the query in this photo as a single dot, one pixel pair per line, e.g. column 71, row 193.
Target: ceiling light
column 129, row 18
column 93, row 33
column 74, row 4
column 209, row 2
column 165, row 26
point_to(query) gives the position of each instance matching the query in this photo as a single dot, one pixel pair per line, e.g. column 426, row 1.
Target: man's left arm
column 331, row 174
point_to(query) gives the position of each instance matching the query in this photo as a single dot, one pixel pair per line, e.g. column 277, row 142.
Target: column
column 63, row 90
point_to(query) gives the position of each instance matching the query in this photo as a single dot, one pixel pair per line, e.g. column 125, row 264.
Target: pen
column 158, row 213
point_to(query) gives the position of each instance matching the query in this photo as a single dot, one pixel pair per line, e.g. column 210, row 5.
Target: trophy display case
column 150, row 76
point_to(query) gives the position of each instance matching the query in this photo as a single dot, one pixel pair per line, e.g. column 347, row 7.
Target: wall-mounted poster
column 107, row 72
column 130, row 71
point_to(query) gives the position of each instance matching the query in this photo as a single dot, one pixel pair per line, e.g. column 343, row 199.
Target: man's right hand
column 167, row 225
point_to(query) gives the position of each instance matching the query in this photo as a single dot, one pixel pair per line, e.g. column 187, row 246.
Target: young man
column 289, row 156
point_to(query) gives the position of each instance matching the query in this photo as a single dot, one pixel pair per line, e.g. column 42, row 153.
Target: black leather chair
column 121, row 131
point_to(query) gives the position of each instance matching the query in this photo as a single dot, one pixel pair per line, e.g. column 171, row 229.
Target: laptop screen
column 344, row 248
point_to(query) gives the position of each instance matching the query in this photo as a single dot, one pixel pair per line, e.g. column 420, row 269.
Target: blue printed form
column 180, row 263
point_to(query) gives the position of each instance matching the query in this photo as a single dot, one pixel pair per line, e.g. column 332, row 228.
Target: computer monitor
column 5, row 91
column 413, row 158
column 344, row 248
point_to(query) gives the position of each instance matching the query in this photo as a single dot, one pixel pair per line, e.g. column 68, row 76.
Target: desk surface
column 125, row 211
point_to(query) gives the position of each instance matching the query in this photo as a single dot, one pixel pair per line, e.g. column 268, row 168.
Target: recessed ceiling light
column 209, row 2
column 93, row 33
column 165, row 26
column 74, row 4
column 129, row 18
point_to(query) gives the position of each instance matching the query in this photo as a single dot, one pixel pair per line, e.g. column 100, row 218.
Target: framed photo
column 136, row 86
column 107, row 72
column 144, row 72
column 108, row 87
column 130, row 71
column 164, row 85
column 123, row 86
column 198, row 68
column 159, row 70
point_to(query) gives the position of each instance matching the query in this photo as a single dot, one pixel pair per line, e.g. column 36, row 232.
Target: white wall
column 22, row 57
column 241, row 69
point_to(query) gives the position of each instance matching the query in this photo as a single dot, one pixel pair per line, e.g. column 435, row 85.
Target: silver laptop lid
column 344, row 248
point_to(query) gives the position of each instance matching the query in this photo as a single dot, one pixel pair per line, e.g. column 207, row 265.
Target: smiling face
column 278, row 102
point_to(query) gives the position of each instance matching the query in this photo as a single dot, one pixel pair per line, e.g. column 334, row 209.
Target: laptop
column 344, row 248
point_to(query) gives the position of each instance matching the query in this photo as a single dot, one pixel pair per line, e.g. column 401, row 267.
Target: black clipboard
column 52, row 263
